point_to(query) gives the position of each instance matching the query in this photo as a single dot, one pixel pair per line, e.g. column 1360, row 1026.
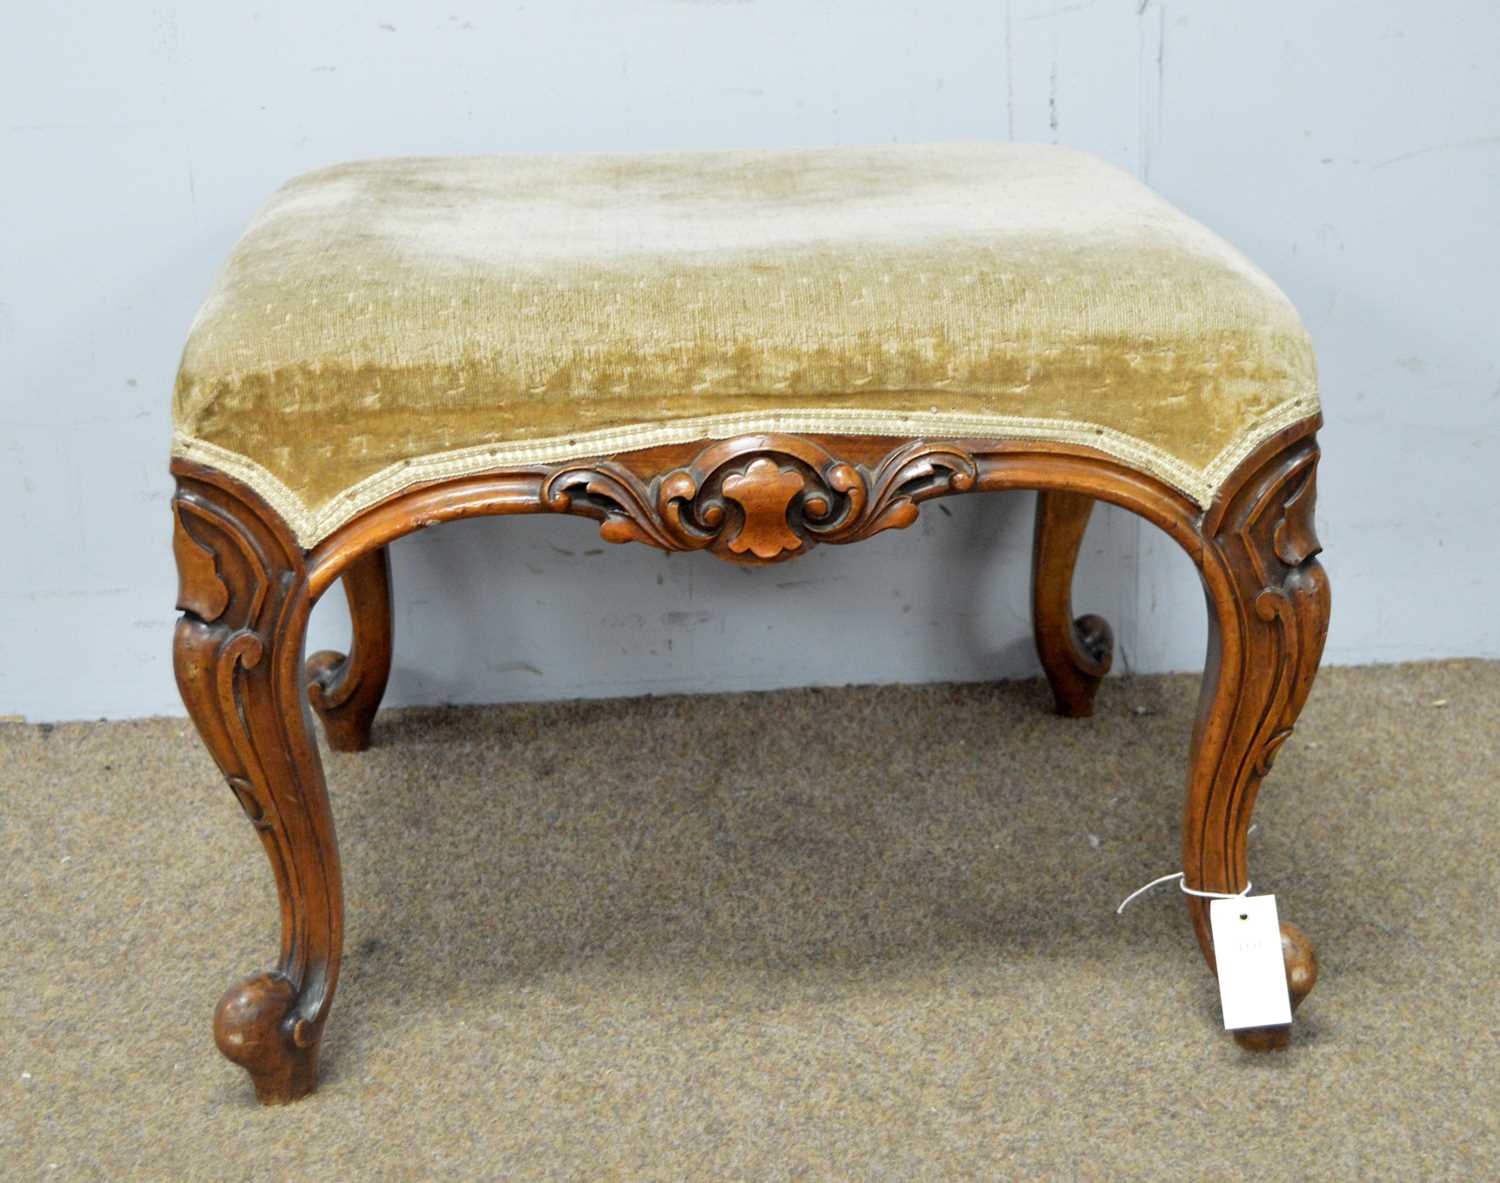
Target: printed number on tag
column 1252, row 974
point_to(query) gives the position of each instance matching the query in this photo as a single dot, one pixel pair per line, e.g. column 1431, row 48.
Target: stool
column 745, row 353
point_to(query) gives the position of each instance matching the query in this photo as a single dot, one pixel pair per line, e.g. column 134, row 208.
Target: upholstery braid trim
column 311, row 525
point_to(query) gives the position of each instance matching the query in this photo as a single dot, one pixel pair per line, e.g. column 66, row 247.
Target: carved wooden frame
column 246, row 589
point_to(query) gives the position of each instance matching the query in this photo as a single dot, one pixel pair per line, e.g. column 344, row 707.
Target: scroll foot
column 1301, row 976
column 256, row 1026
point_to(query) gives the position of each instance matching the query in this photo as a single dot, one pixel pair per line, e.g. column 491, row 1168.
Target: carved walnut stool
column 740, row 353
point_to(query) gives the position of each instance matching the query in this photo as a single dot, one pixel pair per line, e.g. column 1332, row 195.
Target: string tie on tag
column 1181, row 877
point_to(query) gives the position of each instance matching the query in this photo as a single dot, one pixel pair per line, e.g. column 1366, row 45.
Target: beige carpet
column 841, row 934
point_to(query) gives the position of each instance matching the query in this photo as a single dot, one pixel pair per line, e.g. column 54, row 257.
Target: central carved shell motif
column 764, row 492
column 760, row 498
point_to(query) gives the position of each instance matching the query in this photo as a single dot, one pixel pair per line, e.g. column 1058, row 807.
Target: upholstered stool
column 745, row 353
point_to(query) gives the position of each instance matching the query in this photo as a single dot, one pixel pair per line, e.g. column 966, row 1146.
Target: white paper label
column 1252, row 974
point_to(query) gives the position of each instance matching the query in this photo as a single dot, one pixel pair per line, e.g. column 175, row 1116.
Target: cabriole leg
column 346, row 690
column 1268, row 618
column 1075, row 654
column 238, row 657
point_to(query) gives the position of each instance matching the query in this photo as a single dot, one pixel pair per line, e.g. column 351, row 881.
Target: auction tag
column 1252, row 974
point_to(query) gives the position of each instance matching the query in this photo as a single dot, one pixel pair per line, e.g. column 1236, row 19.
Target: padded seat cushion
column 389, row 322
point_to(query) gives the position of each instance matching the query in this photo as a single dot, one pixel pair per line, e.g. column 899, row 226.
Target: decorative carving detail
column 1268, row 549
column 244, row 793
column 245, row 589
column 1269, row 749
column 1268, row 603
column 760, row 498
column 764, row 493
column 199, row 588
column 1295, row 541
column 244, row 596
column 1276, row 535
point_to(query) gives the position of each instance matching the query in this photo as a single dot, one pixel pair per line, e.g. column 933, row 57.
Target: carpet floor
column 862, row 933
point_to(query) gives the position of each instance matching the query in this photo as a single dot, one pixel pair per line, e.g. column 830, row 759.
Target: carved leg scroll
column 1268, row 618
column 1075, row 654
column 346, row 691
column 238, row 658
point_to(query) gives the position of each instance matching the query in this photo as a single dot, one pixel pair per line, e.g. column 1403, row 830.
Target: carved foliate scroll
column 224, row 579
column 237, row 656
column 1273, row 547
column 1268, row 604
column 760, row 498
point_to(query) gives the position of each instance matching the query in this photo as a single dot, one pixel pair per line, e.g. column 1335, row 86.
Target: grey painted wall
column 1358, row 161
